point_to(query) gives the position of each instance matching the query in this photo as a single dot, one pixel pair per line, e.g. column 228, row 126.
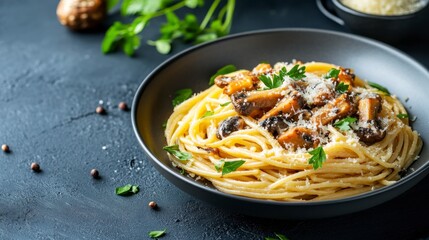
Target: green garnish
column 164, row 125
column 342, row 88
column 127, row 190
column 318, row 157
column 402, row 115
column 278, row 237
column 344, row 124
column 216, row 23
column 297, row 73
column 228, row 167
column 379, row 87
column 224, row 70
column 206, row 114
column 276, row 80
column 157, row 234
column 182, row 95
column 174, row 150
column 333, row 73
column 225, row 104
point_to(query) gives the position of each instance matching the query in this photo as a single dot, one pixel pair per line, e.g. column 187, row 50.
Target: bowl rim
column 366, row 195
column 340, row 5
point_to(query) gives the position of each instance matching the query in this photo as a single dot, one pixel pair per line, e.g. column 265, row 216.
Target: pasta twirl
column 367, row 152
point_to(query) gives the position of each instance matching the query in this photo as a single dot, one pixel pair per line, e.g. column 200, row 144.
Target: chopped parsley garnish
column 228, row 167
column 318, row 157
column 344, row 124
column 276, row 80
column 342, row 88
column 296, row 73
column 402, row 116
column 127, row 190
column 225, row 104
column 333, row 73
column 379, row 87
column 157, row 234
column 164, row 125
column 181, row 95
column 278, row 237
column 224, row 70
column 208, row 113
column 174, row 150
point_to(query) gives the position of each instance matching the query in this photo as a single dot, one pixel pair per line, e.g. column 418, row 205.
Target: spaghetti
column 364, row 133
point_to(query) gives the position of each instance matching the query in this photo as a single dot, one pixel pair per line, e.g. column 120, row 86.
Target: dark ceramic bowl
column 192, row 69
column 386, row 28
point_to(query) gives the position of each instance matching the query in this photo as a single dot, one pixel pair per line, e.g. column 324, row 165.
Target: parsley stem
column 209, row 14
column 169, row 9
column 229, row 14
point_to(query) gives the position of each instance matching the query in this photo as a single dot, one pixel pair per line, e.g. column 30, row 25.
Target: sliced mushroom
column 289, row 105
column 237, row 81
column 254, row 103
column 229, row 126
column 369, row 130
column 298, row 137
column 340, row 107
column 275, row 125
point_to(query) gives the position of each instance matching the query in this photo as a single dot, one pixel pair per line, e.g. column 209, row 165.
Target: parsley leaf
column 276, row 80
column 341, row 87
column 127, row 190
column 174, row 150
column 164, row 125
column 333, row 73
column 208, row 113
column 111, row 4
column 222, row 71
column 344, row 124
column 297, row 73
column 216, row 23
column 379, row 87
column 181, row 96
column 317, row 158
column 224, row 104
column 402, row 115
column 278, row 237
column 157, row 234
column 228, row 167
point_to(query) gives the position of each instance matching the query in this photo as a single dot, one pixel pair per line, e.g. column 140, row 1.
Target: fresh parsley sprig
column 207, row 114
column 181, row 96
column 157, row 233
column 342, row 87
column 332, row 73
column 127, row 190
column 275, row 81
column 318, row 157
column 228, row 167
column 174, row 150
column 344, row 124
column 296, row 73
column 189, row 29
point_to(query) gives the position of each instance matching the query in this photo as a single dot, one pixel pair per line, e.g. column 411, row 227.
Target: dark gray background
column 51, row 81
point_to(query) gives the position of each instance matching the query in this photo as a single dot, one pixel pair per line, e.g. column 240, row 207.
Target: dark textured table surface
column 51, row 81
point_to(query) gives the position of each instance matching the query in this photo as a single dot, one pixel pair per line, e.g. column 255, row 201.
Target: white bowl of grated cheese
column 386, row 20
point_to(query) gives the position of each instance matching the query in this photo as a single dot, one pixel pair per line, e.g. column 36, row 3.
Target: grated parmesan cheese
column 386, row 7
